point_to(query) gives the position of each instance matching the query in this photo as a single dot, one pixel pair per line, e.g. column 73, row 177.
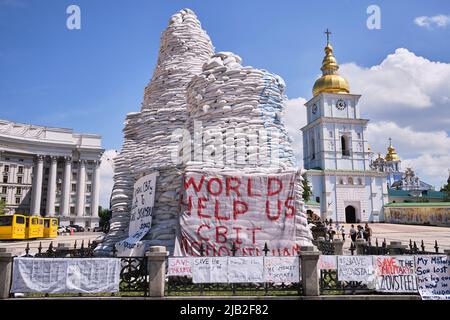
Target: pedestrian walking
column 368, row 232
column 343, row 233
column 353, row 233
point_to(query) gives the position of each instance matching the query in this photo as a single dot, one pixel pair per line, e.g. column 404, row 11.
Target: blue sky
column 89, row 79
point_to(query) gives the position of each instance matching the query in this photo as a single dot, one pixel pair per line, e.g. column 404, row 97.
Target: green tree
column 2, row 206
column 446, row 189
column 105, row 216
column 307, row 192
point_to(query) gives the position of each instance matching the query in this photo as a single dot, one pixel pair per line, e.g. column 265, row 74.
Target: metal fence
column 185, row 286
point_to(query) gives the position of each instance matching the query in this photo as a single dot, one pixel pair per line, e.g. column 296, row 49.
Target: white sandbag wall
column 239, row 110
column 184, row 48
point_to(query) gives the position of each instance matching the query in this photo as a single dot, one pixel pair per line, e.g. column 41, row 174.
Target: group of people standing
column 359, row 232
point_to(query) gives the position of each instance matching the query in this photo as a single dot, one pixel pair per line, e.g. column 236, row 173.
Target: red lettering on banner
column 221, row 235
column 271, row 192
column 210, row 189
column 189, row 206
column 249, row 189
column 237, row 240
column 235, row 188
column 236, row 210
column 217, row 211
column 253, row 230
column 273, row 218
column 291, row 207
column 200, row 228
column 201, row 206
column 191, row 181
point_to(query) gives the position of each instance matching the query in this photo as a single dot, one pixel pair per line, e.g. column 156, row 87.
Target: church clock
column 340, row 104
column 314, row 109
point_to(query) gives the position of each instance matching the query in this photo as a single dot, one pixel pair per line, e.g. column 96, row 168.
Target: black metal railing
column 185, row 286
column 411, row 249
column 330, row 284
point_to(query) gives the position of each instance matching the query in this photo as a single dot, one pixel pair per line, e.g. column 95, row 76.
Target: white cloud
column 402, row 80
column 440, row 21
column 106, row 177
column 294, row 118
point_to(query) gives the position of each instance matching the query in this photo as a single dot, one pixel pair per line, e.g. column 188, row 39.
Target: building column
column 81, row 187
column 51, row 189
column 66, row 188
column 95, row 192
column 37, row 186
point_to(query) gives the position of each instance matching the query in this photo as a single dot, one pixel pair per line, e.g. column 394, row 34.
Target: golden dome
column 392, row 154
column 330, row 81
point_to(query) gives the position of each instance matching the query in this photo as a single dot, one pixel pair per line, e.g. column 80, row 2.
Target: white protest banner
column 210, row 269
column 356, row 268
column 180, row 266
column 245, row 269
column 281, row 269
column 249, row 211
column 65, row 275
column 395, row 274
column 140, row 217
column 433, row 277
column 327, row 262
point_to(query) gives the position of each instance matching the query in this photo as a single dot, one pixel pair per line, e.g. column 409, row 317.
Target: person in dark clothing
column 353, row 233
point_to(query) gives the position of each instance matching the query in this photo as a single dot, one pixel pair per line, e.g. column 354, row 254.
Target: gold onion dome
column 392, row 154
column 330, row 81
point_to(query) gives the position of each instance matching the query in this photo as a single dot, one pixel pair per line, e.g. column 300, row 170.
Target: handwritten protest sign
column 356, row 268
column 433, row 277
column 281, row 269
column 180, row 266
column 395, row 274
column 245, row 210
column 245, row 269
column 327, row 262
column 140, row 217
column 210, row 269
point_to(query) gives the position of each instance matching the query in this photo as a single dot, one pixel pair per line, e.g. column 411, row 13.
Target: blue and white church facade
column 336, row 153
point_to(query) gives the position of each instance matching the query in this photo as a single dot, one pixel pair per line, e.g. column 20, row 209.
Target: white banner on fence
column 281, row 269
column 140, row 217
column 328, row 262
column 180, row 266
column 219, row 210
column 433, row 277
column 245, row 269
column 65, row 275
column 356, row 268
column 210, row 270
column 395, row 274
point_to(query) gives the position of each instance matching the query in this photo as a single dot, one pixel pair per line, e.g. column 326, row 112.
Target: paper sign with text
column 210, row 270
column 245, row 269
column 433, row 277
column 327, row 262
column 180, row 266
column 356, row 268
column 395, row 274
column 281, row 269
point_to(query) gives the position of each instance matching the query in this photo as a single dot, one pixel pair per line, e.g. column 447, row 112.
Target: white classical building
column 50, row 172
column 336, row 153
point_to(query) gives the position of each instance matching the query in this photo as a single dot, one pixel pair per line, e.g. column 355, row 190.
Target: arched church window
column 350, row 180
column 360, row 181
column 341, row 181
column 344, row 146
column 331, row 134
column 312, row 149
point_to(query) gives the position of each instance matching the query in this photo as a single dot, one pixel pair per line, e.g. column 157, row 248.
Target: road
column 18, row 247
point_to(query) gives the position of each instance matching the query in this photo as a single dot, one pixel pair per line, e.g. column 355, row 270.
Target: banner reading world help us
column 140, row 217
column 247, row 211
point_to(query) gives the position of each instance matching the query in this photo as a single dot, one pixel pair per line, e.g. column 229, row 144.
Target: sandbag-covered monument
column 206, row 164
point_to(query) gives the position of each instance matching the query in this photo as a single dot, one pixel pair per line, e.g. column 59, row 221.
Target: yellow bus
column 34, row 227
column 12, row 227
column 50, row 227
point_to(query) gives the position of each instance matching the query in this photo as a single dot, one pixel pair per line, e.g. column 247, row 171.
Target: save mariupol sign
column 140, row 217
column 249, row 211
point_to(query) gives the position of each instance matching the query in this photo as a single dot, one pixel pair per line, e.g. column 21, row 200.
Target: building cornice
column 335, row 120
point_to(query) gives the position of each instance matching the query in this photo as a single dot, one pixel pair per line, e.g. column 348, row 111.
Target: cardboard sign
column 328, row 262
column 281, row 269
column 356, row 268
column 245, row 269
column 245, row 210
column 180, row 266
column 210, row 269
column 395, row 274
column 140, row 217
column 433, row 277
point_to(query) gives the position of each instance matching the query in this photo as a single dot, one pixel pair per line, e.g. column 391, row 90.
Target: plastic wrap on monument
column 238, row 111
column 184, row 48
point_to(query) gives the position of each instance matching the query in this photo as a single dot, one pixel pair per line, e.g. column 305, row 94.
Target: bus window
column 20, row 220
column 34, row 221
column 54, row 222
column 46, row 223
column 41, row 221
column 6, row 221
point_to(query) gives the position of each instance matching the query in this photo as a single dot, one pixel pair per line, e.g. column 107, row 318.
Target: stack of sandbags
column 237, row 111
column 184, row 48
